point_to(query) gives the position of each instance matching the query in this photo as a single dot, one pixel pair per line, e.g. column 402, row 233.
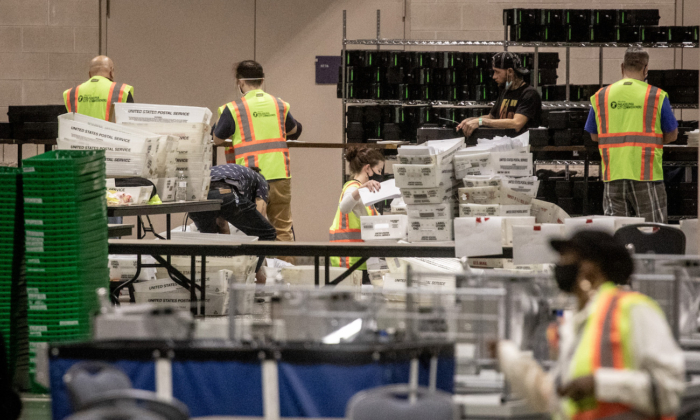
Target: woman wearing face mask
column 366, row 167
column 617, row 355
column 518, row 107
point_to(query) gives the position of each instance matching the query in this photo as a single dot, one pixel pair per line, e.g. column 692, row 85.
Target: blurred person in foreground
column 617, row 356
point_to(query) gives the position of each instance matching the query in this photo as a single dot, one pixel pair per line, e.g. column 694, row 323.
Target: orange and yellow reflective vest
column 260, row 138
column 95, row 97
column 628, row 116
column 606, row 343
column 347, row 227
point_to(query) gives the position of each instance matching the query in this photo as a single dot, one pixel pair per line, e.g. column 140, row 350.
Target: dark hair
column 360, row 156
column 636, row 58
column 603, row 250
column 250, row 69
column 255, row 168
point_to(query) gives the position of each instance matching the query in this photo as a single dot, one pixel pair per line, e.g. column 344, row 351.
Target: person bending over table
column 519, row 106
column 244, row 193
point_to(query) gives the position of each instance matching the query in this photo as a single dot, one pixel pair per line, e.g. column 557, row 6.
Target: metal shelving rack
column 567, row 104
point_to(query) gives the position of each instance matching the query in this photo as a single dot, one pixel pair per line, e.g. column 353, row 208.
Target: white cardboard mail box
column 132, row 112
column 515, row 210
column 423, row 176
column 480, row 195
column 430, row 211
column 471, row 164
column 531, row 244
column 474, row 210
column 383, row 227
column 511, row 163
column 435, row 195
column 609, row 224
column 509, row 222
column 429, row 230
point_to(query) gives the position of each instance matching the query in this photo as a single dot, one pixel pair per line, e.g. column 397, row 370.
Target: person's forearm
column 526, row 377
column 504, row 123
column 671, row 137
column 218, row 141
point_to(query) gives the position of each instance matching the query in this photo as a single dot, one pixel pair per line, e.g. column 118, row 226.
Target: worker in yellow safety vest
column 617, row 357
column 366, row 167
column 257, row 127
column 96, row 96
column 631, row 121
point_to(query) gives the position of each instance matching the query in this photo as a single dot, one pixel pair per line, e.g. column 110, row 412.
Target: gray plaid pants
column 646, row 199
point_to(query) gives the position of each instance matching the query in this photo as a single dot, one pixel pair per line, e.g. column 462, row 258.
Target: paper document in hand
column 388, row 191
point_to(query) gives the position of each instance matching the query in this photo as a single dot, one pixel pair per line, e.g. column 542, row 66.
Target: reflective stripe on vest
column 347, row 228
column 606, row 343
column 266, row 149
column 631, row 141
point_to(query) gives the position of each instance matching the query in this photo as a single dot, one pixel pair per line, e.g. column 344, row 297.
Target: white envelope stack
column 425, row 175
column 189, row 148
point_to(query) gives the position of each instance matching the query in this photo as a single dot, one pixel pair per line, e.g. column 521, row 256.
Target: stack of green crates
column 8, row 262
column 65, row 220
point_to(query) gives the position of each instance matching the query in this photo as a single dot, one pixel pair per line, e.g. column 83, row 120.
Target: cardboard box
column 531, row 244
column 480, row 195
column 304, row 275
column 435, row 195
column 487, row 262
column 151, row 113
column 430, row 230
column 515, row 210
column 423, row 176
column 470, row 164
column 216, row 303
column 474, row 210
column 383, row 227
column 434, row 152
column 509, row 222
column 442, row 210
column 511, row 164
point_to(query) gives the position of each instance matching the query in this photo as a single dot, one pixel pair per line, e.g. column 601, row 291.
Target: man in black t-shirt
column 519, row 106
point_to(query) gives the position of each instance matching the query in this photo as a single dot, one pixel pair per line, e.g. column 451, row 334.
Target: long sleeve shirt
column 349, row 204
column 658, row 360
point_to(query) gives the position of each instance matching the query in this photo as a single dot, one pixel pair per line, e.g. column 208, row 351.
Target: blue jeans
column 237, row 210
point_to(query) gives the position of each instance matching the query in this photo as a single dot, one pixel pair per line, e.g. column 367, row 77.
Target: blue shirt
column 668, row 120
column 247, row 182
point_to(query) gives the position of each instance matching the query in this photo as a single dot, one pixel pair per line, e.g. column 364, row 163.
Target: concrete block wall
column 45, row 48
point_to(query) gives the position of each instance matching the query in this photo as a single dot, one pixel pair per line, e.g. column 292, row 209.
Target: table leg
column 139, row 224
column 317, row 280
column 327, row 274
column 203, row 285
column 128, row 283
column 349, row 271
column 193, row 294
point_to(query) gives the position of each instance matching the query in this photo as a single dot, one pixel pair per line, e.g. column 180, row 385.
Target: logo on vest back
column 82, row 98
column 624, row 105
column 263, row 114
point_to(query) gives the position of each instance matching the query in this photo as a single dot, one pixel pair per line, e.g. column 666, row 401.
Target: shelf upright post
column 600, row 66
column 379, row 20
column 344, row 95
column 535, row 77
column 505, row 37
column 568, row 71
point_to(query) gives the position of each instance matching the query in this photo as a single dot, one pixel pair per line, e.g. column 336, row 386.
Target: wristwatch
column 481, row 122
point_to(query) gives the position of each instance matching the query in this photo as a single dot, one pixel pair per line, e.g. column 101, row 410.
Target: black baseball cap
column 508, row 60
column 601, row 248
